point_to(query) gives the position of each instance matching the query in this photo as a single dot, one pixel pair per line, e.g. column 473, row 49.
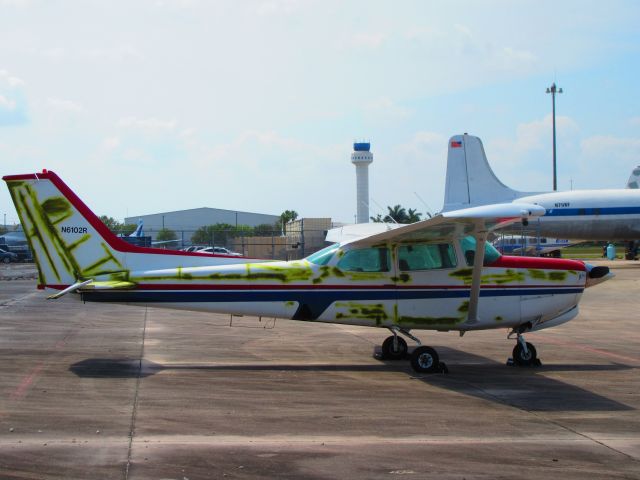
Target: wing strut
column 476, row 279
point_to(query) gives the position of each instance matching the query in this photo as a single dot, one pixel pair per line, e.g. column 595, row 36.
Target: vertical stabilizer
column 67, row 240
column 634, row 179
column 470, row 181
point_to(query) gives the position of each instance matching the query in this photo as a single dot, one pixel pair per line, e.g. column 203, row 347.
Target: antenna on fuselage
column 386, row 215
column 429, row 209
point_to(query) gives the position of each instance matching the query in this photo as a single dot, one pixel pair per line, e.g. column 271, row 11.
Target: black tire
column 519, row 357
column 6, row 260
column 425, row 360
column 388, row 352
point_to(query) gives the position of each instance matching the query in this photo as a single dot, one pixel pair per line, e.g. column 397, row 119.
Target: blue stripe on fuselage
column 575, row 212
column 307, row 296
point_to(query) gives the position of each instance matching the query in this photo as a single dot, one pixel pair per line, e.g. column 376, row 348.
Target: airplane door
column 424, row 280
column 366, row 291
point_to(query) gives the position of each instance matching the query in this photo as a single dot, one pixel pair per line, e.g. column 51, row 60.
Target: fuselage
column 588, row 214
column 413, row 286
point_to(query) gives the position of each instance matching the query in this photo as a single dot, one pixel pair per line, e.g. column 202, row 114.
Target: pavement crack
column 134, row 412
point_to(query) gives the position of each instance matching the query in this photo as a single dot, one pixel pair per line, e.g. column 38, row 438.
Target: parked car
column 7, row 257
column 219, row 251
column 192, row 248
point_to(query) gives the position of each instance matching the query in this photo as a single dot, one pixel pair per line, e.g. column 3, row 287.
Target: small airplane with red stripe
column 428, row 275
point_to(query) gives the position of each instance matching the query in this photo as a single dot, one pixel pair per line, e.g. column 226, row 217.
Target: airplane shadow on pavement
column 527, row 388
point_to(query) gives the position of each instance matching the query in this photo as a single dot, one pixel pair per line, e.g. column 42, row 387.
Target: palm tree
column 398, row 214
column 286, row 217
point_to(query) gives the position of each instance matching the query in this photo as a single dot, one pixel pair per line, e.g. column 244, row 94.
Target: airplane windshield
column 468, row 245
column 322, row 257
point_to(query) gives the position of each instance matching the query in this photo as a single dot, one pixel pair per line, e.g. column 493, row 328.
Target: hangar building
column 194, row 218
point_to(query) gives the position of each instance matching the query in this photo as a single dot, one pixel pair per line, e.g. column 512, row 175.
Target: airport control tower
column 361, row 158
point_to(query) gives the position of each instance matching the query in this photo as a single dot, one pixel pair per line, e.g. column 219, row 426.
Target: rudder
column 470, row 181
column 68, row 244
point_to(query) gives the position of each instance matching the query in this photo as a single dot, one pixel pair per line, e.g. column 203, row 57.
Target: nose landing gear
column 524, row 353
column 423, row 359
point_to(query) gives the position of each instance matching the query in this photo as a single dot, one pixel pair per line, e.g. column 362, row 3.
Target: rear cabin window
column 365, row 260
column 427, row 256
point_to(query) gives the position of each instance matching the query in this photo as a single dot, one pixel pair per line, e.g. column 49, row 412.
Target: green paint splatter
column 557, row 276
column 57, row 209
column 464, row 307
column 537, row 274
column 375, row 312
column 444, row 322
column 402, row 278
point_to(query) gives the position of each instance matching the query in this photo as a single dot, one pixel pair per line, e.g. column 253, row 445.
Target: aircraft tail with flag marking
column 470, row 180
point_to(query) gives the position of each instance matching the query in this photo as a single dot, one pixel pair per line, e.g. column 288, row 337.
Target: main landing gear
column 423, row 359
column 524, row 353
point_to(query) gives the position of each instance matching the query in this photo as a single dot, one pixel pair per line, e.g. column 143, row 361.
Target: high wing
column 476, row 222
column 456, row 223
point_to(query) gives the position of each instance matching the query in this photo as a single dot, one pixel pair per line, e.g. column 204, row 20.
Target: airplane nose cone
column 597, row 274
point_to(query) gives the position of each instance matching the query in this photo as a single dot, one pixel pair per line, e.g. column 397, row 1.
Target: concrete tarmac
column 96, row 391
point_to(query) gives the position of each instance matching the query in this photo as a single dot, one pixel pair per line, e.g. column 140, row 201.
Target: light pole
column 553, row 90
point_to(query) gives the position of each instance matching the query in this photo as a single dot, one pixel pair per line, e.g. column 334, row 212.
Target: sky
column 161, row 105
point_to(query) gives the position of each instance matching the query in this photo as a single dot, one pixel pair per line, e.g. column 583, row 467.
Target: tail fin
column 470, row 181
column 70, row 244
column 68, row 241
column 634, row 179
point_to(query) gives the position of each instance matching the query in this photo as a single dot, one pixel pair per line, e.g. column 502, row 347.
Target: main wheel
column 389, row 353
column 6, row 259
column 425, row 360
column 524, row 359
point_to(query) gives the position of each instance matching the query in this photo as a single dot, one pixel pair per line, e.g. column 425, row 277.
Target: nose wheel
column 524, row 353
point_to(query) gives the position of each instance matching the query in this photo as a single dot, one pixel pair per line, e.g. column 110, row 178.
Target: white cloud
column 9, row 80
column 16, row 3
column 115, row 54
column 63, row 105
column 7, row 104
column 13, row 105
column 634, row 121
column 386, row 109
column 147, row 125
column 273, row 7
column 111, row 143
column 368, row 40
column 611, row 150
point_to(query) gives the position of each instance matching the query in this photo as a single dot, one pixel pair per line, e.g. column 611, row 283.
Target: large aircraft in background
column 425, row 276
column 611, row 214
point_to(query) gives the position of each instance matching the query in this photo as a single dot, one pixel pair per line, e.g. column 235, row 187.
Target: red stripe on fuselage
column 114, row 242
column 539, row 263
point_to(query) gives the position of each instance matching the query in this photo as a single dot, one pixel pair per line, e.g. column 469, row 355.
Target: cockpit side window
column 324, row 256
column 365, row 260
column 426, row 256
column 468, row 245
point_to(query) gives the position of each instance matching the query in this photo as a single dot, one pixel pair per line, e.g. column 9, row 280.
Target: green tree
column 128, row 228
column 217, row 234
column 111, row 223
column 398, row 214
column 286, row 217
column 166, row 234
column 267, row 229
column 413, row 216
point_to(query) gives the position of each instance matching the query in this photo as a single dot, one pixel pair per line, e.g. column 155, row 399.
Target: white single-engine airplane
column 427, row 275
column 612, row 214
